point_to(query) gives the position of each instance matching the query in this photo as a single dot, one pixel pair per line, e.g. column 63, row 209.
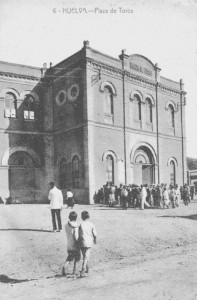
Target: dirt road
column 148, row 254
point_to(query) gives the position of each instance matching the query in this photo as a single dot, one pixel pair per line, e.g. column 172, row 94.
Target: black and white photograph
column 98, row 150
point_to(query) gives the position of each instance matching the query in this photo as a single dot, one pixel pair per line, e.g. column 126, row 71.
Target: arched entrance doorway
column 143, row 165
column 22, row 176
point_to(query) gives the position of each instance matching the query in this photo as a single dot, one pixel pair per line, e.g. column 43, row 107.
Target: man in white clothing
column 70, row 199
column 144, row 195
column 56, row 203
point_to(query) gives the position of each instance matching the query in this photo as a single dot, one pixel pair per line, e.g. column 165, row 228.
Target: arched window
column 22, row 174
column 75, row 171
column 110, row 168
column 171, row 115
column 63, row 177
column 149, row 110
column 108, row 100
column 10, row 105
column 29, row 108
column 108, row 105
column 20, row 159
column 138, row 112
column 172, row 173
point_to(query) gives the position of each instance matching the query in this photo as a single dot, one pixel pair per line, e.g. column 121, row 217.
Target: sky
column 37, row 31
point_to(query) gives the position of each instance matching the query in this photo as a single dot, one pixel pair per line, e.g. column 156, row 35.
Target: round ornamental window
column 73, row 92
column 61, row 97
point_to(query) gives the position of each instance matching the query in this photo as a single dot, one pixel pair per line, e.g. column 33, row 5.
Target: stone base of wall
column 81, row 196
column 27, row 196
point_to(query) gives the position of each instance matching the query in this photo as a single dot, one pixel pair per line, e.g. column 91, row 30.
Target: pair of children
column 80, row 239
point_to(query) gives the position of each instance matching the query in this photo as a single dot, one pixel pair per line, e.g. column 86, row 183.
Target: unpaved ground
column 150, row 254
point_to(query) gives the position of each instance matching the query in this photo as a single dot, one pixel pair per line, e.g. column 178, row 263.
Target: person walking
column 56, row 204
column 186, row 195
column 70, row 199
column 166, row 199
column 172, row 195
column 112, row 195
column 73, row 249
column 192, row 192
column 144, row 195
column 177, row 197
column 124, row 196
column 87, row 236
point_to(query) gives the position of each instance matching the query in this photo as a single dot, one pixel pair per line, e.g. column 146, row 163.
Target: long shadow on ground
column 120, row 208
column 25, row 229
column 108, row 208
column 6, row 279
column 191, row 217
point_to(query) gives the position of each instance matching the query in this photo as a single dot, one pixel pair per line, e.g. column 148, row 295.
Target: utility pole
column 182, row 137
column 157, row 70
column 124, row 116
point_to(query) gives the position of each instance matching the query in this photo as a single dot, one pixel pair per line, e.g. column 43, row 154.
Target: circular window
column 73, row 92
column 61, row 97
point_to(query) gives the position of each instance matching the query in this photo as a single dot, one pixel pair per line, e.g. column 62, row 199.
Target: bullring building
column 88, row 120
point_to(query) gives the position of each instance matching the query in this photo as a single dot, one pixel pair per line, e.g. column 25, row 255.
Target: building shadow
column 115, row 208
column 25, row 229
column 190, row 217
column 108, row 208
column 6, row 279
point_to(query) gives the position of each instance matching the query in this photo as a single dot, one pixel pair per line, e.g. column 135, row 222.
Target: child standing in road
column 72, row 233
column 87, row 235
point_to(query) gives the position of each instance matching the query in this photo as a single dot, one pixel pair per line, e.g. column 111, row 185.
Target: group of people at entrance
column 80, row 236
column 153, row 196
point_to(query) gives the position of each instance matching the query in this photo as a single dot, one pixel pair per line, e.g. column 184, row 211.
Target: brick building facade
column 90, row 119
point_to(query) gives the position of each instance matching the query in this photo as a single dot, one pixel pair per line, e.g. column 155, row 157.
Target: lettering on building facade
column 141, row 69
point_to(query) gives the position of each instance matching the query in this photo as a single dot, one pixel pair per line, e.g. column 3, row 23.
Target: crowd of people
column 152, row 196
column 81, row 236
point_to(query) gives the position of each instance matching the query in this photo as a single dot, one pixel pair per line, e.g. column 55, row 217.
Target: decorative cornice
column 103, row 66
column 139, row 79
column 131, row 76
column 62, row 73
column 15, row 76
column 168, row 89
column 96, row 64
